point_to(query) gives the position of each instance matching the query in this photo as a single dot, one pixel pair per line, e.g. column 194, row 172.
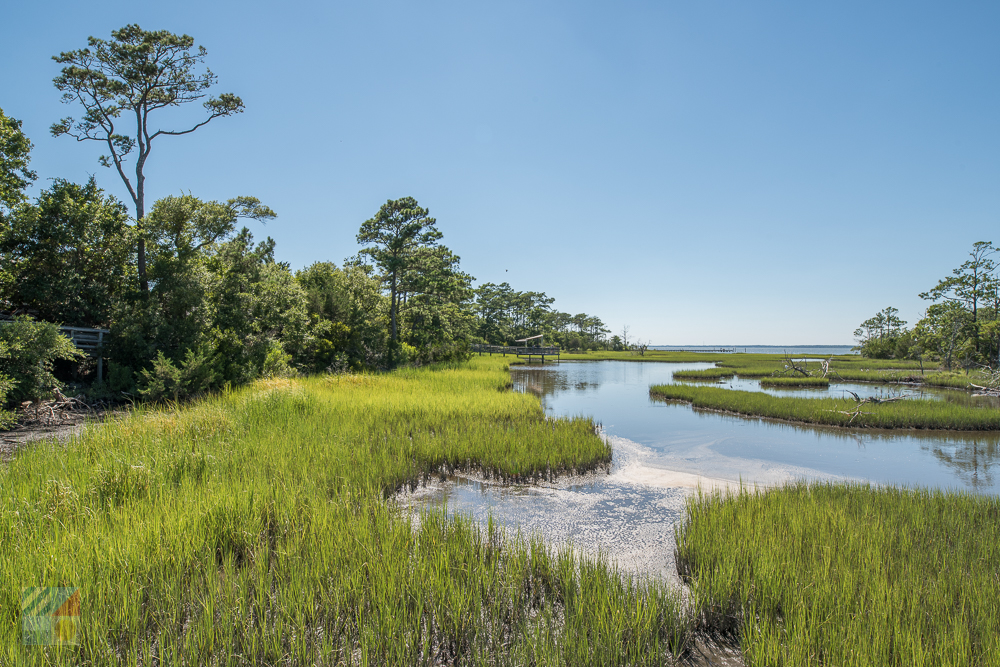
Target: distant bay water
column 794, row 350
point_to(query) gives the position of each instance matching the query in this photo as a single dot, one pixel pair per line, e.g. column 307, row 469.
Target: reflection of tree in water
column 973, row 457
column 974, row 462
column 545, row 383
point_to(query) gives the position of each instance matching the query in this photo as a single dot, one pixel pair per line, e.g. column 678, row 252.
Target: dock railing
column 529, row 352
column 89, row 340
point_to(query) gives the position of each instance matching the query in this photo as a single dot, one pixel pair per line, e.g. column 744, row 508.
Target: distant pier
column 529, row 352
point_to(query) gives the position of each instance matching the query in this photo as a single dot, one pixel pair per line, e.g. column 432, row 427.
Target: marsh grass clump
column 909, row 413
column 792, row 381
column 847, row 574
column 878, row 376
column 258, row 527
column 956, row 380
column 704, row 374
column 838, row 371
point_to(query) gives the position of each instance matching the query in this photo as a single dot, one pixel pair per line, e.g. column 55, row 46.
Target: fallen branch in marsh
column 991, row 383
column 861, row 402
column 791, row 366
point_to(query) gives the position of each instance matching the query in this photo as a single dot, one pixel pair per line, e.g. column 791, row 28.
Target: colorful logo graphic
column 50, row 616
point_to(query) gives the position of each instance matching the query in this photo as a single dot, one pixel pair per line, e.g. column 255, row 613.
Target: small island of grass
column 910, row 413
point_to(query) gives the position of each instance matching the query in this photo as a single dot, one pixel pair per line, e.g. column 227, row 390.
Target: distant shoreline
column 688, row 347
column 759, row 349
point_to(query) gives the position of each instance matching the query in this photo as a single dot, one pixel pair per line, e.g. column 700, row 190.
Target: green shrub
column 120, row 378
column 28, row 350
column 277, row 363
column 166, row 380
column 7, row 418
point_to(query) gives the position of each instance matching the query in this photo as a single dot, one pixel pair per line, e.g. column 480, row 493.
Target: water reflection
column 974, row 463
column 730, row 447
column 663, row 450
column 862, row 389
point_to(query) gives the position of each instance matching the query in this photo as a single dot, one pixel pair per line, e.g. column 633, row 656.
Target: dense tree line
column 506, row 315
column 216, row 307
column 191, row 300
column 961, row 326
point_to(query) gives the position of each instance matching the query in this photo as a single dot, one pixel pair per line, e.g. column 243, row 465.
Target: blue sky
column 704, row 172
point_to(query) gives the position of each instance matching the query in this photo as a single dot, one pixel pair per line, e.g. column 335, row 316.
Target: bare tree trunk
column 140, row 206
column 392, row 319
column 141, row 252
column 951, row 343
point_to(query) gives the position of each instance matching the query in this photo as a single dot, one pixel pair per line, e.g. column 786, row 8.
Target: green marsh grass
column 908, row 413
column 704, row 374
column 792, row 381
column 258, row 527
column 777, row 367
column 756, row 371
column 956, row 380
column 886, row 376
column 847, row 574
column 741, row 371
column 852, row 361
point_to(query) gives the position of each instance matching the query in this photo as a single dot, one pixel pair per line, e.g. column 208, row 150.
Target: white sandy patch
column 694, row 464
column 663, row 478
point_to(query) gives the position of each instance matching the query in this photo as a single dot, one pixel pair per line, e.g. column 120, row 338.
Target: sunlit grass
column 887, row 376
column 848, row 574
column 854, row 361
column 956, row 380
column 258, row 527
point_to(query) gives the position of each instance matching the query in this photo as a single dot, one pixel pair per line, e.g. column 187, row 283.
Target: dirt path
column 65, row 424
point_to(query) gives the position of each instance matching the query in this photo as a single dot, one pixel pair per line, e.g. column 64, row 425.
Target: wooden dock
column 529, row 352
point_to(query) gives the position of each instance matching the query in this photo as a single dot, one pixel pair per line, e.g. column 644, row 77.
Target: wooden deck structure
column 89, row 340
column 530, row 352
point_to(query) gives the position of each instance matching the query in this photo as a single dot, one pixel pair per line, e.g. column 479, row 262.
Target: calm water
column 662, row 451
column 718, row 446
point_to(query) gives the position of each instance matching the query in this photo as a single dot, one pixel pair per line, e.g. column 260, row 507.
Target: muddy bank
column 628, row 515
column 66, row 424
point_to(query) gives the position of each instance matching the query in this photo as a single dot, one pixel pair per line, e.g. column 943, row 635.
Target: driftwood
column 859, row 404
column 792, row 367
column 47, row 412
column 802, row 368
column 992, row 386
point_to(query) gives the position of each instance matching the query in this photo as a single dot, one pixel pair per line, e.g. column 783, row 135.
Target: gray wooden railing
column 519, row 351
column 89, row 340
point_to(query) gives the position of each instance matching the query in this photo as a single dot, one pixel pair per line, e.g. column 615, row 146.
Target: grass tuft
column 847, row 574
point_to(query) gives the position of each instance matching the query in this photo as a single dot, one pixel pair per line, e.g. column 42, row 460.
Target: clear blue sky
column 705, row 172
